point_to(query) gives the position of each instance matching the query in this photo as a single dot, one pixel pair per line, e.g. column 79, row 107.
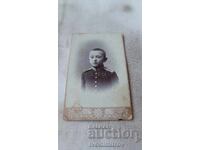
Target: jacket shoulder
column 86, row 71
column 109, row 70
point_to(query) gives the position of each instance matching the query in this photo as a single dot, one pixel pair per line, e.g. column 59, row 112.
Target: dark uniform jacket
column 98, row 78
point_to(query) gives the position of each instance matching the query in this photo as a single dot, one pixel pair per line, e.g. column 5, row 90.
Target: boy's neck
column 98, row 67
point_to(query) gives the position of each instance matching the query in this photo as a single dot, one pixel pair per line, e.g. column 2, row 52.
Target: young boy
column 98, row 76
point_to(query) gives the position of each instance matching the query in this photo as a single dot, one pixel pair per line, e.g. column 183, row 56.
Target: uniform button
column 96, row 77
column 95, row 72
column 95, row 81
column 95, row 86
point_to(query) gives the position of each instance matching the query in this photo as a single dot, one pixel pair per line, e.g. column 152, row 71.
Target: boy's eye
column 98, row 56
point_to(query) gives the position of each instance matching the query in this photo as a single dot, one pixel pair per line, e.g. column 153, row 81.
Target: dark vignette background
column 83, row 64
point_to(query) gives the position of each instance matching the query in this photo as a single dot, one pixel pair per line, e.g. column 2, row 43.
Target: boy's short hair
column 99, row 49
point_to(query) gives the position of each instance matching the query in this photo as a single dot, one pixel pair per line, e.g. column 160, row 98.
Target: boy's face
column 96, row 58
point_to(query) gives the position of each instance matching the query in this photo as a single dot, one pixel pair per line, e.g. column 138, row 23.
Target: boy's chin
column 95, row 65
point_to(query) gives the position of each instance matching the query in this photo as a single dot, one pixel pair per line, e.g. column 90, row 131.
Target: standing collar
column 97, row 68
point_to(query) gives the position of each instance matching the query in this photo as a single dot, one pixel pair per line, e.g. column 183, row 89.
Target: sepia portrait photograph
column 98, row 76
column 97, row 86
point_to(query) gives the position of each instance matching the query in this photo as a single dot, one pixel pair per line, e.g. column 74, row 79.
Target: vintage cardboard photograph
column 97, row 86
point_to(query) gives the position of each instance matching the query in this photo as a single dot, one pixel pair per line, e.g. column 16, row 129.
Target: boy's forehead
column 96, row 52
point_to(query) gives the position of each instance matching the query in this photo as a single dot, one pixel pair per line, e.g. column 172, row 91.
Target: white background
column 28, row 78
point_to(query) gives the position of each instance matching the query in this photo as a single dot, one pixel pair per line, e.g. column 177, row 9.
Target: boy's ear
column 105, row 59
